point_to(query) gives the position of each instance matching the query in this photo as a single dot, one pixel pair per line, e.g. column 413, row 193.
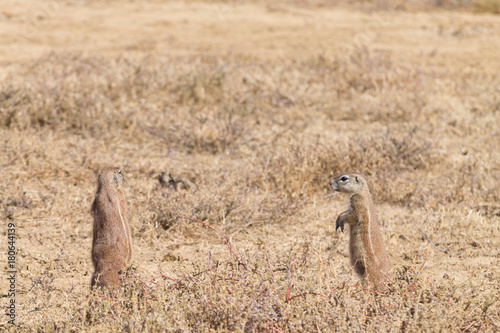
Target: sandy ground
column 30, row 29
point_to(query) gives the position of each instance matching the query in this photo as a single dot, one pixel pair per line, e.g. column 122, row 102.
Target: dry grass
column 250, row 144
column 487, row 6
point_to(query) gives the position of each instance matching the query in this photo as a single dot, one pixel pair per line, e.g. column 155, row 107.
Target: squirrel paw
column 339, row 224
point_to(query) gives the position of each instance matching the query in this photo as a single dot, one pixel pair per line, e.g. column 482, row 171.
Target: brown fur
column 111, row 245
column 366, row 248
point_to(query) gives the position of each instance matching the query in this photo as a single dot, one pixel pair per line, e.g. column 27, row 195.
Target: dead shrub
column 229, row 206
column 252, row 296
column 212, row 131
column 300, row 169
column 472, row 182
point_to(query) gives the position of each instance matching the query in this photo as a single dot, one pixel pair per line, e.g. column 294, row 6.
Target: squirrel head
column 110, row 176
column 348, row 182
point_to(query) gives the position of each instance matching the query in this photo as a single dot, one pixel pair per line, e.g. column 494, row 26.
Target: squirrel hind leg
column 107, row 279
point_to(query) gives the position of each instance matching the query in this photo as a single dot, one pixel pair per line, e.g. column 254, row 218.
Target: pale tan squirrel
column 111, row 244
column 366, row 248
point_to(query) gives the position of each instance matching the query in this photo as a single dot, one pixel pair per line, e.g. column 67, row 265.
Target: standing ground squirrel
column 111, row 245
column 366, row 249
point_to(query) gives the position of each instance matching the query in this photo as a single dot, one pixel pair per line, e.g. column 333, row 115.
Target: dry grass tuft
column 487, row 6
column 250, row 294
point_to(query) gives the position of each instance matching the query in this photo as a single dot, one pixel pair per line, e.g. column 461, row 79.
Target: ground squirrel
column 366, row 248
column 111, row 245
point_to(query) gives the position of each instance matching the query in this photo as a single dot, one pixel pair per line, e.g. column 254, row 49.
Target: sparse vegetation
column 249, row 143
column 487, row 6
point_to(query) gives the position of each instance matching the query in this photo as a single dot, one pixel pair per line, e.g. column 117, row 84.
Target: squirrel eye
column 344, row 178
column 120, row 171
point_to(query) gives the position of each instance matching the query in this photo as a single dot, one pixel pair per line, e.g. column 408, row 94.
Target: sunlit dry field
column 235, row 115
